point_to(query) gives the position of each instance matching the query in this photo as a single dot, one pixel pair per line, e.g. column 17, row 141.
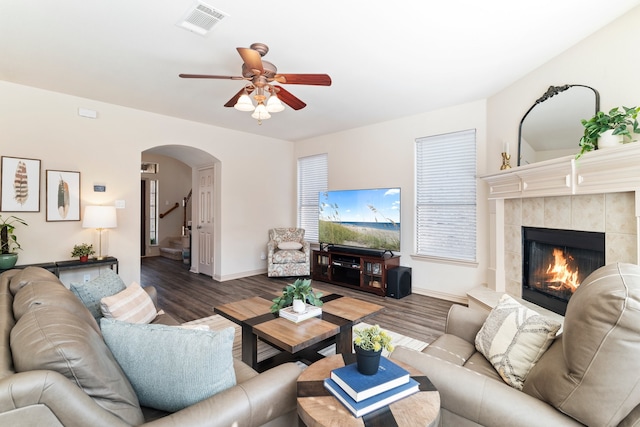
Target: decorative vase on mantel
column 367, row 361
column 608, row 140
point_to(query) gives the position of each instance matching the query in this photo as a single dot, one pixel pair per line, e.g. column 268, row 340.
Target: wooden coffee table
column 297, row 340
column 317, row 407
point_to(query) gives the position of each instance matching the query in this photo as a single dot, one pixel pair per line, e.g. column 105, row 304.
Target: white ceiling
column 386, row 60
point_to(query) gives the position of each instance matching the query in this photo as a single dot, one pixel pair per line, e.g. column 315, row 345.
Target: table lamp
column 100, row 217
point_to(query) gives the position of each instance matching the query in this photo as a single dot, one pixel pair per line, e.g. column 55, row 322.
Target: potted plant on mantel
column 83, row 251
column 9, row 242
column 368, row 345
column 602, row 128
column 297, row 294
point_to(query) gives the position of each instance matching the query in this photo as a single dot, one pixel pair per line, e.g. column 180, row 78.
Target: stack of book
column 362, row 394
column 310, row 311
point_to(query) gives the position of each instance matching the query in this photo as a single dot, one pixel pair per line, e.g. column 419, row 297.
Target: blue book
column 360, row 387
column 376, row 402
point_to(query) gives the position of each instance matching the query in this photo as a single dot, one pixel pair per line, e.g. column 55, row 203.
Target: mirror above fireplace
column 551, row 128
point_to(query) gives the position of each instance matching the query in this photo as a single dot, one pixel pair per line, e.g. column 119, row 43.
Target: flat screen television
column 367, row 219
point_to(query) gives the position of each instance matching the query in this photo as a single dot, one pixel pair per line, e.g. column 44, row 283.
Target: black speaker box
column 399, row 282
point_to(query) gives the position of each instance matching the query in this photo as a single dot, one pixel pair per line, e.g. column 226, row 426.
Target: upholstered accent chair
column 288, row 254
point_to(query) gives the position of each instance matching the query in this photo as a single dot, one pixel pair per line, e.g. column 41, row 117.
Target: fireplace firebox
column 555, row 262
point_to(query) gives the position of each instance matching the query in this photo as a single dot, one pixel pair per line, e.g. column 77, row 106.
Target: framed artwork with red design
column 20, row 186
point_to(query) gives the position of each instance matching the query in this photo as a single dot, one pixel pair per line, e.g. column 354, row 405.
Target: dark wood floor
column 188, row 296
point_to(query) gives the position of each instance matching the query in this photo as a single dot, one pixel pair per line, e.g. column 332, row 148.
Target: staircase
column 174, row 250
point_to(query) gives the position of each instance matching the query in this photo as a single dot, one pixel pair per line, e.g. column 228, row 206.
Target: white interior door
column 205, row 219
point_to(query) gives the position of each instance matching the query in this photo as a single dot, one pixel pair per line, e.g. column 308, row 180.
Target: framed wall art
column 20, row 185
column 63, row 195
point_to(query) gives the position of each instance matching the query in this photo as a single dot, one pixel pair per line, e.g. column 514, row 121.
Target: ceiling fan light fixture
column 261, row 113
column 274, row 105
column 244, row 103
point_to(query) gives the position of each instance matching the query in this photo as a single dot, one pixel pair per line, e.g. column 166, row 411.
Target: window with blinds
column 312, row 179
column 446, row 196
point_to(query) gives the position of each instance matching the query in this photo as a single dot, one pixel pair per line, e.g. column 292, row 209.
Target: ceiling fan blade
column 304, row 79
column 232, row 101
column 209, row 76
column 289, row 99
column 252, row 59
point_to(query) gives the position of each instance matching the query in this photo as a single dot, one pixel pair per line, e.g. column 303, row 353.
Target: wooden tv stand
column 363, row 272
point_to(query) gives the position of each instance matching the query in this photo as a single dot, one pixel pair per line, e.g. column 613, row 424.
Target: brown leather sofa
column 57, row 396
column 589, row 375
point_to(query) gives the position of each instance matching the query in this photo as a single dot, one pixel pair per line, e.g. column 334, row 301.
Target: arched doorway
column 203, row 206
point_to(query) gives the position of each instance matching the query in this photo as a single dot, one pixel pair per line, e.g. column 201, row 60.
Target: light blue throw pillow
column 170, row 367
column 91, row 292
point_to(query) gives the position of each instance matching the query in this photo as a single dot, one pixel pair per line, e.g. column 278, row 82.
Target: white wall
column 383, row 155
column 255, row 191
column 605, row 61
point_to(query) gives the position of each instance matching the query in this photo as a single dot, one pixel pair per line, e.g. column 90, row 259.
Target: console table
column 57, row 266
column 363, row 272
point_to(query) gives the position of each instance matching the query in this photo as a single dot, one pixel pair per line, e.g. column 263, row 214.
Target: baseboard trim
column 242, row 274
column 441, row 295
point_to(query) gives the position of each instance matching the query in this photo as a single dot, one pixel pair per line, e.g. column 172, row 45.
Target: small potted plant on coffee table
column 368, row 345
column 297, row 294
column 83, row 251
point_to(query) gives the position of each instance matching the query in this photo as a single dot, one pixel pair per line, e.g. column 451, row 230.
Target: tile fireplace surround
column 598, row 192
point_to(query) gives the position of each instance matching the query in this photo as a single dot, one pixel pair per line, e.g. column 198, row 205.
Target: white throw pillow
column 132, row 305
column 513, row 338
column 289, row 245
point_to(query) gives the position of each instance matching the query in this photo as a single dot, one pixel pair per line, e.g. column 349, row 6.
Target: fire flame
column 560, row 273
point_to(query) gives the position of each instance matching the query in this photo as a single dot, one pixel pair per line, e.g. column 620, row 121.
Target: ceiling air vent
column 202, row 18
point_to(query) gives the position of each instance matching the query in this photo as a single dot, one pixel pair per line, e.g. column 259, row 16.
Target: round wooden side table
column 318, row 407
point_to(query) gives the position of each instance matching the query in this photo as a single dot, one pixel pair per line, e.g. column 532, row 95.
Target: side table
column 318, row 408
column 57, row 266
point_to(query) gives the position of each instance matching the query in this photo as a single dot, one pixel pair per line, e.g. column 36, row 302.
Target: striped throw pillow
column 131, row 305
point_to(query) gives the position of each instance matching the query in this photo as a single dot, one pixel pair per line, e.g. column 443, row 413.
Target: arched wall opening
column 204, row 253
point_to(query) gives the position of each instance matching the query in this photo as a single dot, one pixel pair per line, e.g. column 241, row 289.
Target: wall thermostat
column 99, row 188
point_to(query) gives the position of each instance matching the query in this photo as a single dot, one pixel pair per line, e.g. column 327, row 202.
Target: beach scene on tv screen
column 360, row 218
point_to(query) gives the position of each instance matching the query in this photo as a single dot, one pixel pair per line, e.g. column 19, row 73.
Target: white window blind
column 312, row 179
column 446, row 196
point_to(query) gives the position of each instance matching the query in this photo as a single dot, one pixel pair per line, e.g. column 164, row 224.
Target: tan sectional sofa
column 589, row 375
column 79, row 383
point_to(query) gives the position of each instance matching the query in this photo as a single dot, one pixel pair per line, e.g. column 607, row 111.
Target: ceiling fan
column 262, row 76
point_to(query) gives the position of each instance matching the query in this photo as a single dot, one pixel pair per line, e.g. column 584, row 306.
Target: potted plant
column 300, row 291
column 617, row 123
column 83, row 251
column 368, row 345
column 9, row 242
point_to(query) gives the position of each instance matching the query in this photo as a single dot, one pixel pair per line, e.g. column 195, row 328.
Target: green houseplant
column 620, row 122
column 368, row 344
column 298, row 290
column 83, row 251
column 8, row 241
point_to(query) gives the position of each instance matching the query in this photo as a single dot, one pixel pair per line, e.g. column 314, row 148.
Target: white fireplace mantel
column 613, row 170
column 603, row 171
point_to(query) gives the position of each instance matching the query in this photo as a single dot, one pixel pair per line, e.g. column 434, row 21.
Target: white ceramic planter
column 608, row 140
column 299, row 306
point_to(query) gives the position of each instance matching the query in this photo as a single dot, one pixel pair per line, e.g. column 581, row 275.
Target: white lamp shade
column 274, row 105
column 100, row 217
column 261, row 113
column 244, row 103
